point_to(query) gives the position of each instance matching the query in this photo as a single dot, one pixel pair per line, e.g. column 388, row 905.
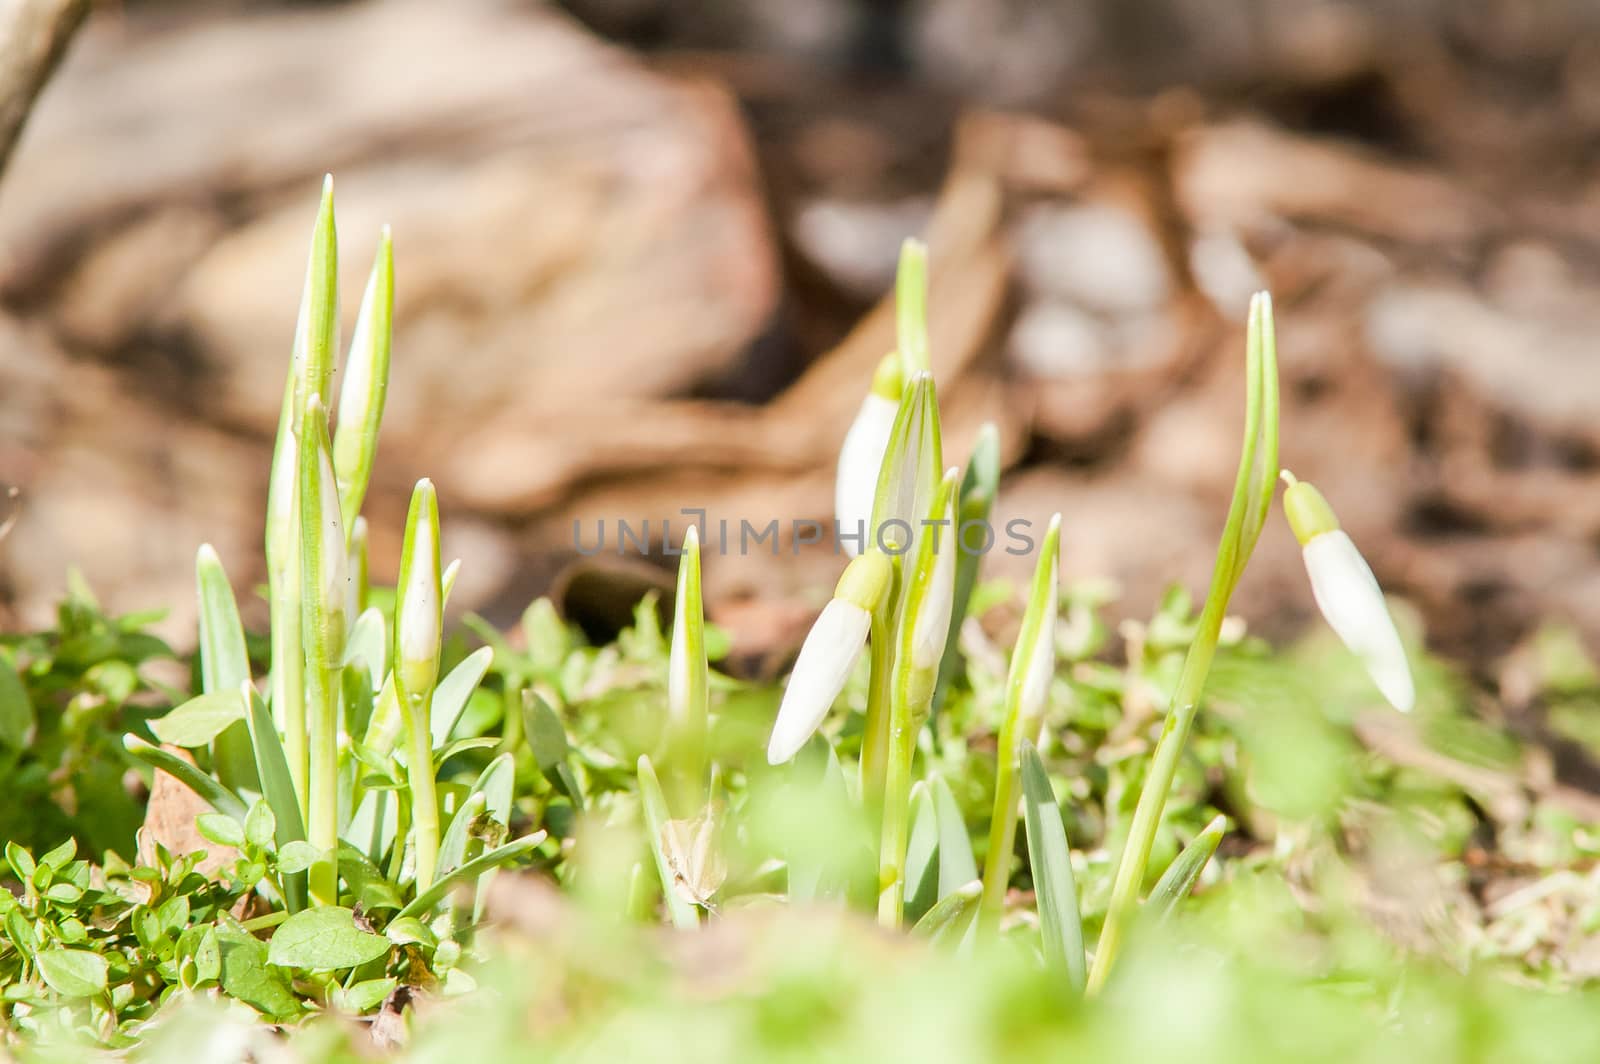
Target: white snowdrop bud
column 1348, row 594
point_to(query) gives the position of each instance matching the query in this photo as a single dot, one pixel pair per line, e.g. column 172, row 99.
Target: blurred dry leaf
column 698, row 868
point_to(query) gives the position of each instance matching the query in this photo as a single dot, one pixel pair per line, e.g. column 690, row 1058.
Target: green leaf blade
column 1051, row 863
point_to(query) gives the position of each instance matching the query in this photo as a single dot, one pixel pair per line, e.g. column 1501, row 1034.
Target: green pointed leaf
column 366, row 383
column 272, row 767
column 224, row 667
column 491, row 794
column 73, row 973
column 974, row 507
column 499, row 857
column 948, row 919
column 826, row 865
column 220, row 798
column 957, row 867
column 1051, row 863
column 922, row 855
column 1184, row 871
column 368, row 644
column 324, row 939
column 461, row 746
column 547, row 738
column 654, row 803
column 450, row 697
column 201, row 719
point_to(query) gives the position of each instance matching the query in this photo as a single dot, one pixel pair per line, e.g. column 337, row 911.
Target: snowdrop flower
column 419, row 622
column 829, row 654
column 861, row 455
column 1347, row 593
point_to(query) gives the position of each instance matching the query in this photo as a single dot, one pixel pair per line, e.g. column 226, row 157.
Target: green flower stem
column 424, row 793
column 322, row 592
column 907, row 715
column 1246, row 514
column 402, row 827
column 418, row 632
column 875, row 737
column 912, row 693
column 1021, row 721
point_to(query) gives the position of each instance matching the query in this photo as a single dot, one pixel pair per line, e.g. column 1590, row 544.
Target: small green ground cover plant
column 974, row 822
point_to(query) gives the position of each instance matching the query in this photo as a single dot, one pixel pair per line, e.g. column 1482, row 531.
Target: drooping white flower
column 829, row 654
column 861, row 455
column 1348, row 594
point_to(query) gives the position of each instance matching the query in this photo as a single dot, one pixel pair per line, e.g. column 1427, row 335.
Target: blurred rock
column 570, row 228
column 1099, row 255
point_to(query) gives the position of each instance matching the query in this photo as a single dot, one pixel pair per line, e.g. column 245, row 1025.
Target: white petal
column 1041, row 663
column 335, row 561
column 1350, row 599
column 419, row 612
column 860, row 458
column 678, row 674
column 829, row 653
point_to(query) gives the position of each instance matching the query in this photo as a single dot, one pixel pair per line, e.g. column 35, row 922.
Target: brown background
column 640, row 273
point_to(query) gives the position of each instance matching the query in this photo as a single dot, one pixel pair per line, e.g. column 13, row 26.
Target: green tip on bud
column 318, row 327
column 688, row 683
column 912, row 462
column 911, row 306
column 1309, row 513
column 366, row 382
column 865, row 580
column 982, row 478
column 889, row 379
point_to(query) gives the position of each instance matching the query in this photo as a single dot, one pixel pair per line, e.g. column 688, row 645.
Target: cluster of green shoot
column 334, row 776
column 906, row 592
column 332, row 779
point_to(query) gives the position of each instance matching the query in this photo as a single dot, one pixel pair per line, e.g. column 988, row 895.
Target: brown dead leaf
column 698, row 868
column 169, row 820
